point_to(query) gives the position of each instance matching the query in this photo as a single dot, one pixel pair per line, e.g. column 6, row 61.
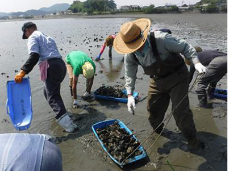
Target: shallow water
column 82, row 151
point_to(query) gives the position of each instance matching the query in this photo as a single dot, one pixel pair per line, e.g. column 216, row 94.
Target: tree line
column 93, row 6
column 109, row 6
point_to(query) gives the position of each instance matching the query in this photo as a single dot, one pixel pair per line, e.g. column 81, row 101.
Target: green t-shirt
column 77, row 59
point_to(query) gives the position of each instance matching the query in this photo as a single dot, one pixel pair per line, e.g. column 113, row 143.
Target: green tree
column 111, row 4
column 212, row 8
column 76, row 7
column 149, row 10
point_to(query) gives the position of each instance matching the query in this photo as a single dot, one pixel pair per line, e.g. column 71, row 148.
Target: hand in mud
column 97, row 58
column 88, row 97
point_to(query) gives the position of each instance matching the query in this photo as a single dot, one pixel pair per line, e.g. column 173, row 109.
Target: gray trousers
column 173, row 87
column 215, row 71
column 55, row 75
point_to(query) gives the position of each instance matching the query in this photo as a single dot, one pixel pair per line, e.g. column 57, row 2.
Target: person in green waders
column 159, row 55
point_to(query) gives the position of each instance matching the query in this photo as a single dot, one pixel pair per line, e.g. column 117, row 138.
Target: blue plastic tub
column 123, row 100
column 19, row 104
column 106, row 123
column 220, row 94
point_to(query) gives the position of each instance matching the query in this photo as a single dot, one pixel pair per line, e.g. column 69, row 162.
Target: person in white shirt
column 43, row 50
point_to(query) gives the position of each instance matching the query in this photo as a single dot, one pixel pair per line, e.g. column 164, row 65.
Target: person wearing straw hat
column 159, row 55
column 216, row 62
column 80, row 63
column 44, row 51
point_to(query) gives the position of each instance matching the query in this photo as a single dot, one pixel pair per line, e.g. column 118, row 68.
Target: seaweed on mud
column 223, row 92
column 118, row 142
column 111, row 91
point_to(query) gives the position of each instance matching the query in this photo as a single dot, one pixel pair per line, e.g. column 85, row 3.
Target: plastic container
column 106, row 123
column 19, row 104
column 123, row 100
column 220, row 94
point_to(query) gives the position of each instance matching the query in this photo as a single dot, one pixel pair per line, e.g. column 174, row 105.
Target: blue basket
column 19, row 103
column 217, row 94
column 104, row 124
column 123, row 100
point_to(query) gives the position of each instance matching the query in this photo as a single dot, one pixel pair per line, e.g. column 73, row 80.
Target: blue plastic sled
column 220, row 94
column 106, row 123
column 123, row 100
column 19, row 104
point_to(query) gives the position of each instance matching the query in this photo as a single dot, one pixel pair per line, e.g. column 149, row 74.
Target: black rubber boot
column 159, row 129
column 195, row 144
column 210, row 92
column 203, row 101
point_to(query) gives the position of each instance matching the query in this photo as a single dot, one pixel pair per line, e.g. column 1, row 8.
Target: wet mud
column 82, row 151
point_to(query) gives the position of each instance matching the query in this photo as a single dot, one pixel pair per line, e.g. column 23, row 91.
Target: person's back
column 44, row 45
column 29, row 152
column 77, row 59
column 205, row 57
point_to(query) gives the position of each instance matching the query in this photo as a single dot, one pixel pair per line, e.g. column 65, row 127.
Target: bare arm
column 89, row 84
column 74, row 86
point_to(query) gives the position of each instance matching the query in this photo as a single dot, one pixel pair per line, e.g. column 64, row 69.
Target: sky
column 24, row 5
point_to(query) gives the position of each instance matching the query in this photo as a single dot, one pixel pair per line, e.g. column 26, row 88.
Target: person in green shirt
column 80, row 63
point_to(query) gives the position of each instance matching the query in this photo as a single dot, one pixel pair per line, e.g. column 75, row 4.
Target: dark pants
column 110, row 52
column 174, row 87
column 215, row 71
column 55, row 75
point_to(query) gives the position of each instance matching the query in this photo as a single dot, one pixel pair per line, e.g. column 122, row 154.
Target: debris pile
column 118, row 142
column 223, row 92
column 111, row 91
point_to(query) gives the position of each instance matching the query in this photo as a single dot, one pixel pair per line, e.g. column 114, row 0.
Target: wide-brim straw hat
column 132, row 36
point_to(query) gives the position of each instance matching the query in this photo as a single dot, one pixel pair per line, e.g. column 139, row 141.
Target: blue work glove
column 98, row 58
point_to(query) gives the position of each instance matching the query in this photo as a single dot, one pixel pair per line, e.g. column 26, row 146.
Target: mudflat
column 82, row 151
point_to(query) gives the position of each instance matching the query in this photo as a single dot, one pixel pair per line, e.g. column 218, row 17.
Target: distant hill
column 41, row 11
column 2, row 14
column 56, row 8
column 29, row 12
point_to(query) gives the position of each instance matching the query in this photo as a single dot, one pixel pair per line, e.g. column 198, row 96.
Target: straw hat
column 132, row 36
column 88, row 70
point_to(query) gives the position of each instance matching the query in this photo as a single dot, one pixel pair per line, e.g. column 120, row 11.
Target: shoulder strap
column 154, row 47
column 135, row 59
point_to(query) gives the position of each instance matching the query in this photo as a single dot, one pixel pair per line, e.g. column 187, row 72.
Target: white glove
column 131, row 104
column 75, row 103
column 200, row 68
column 86, row 95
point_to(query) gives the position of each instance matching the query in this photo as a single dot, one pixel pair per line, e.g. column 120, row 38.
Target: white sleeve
column 33, row 44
